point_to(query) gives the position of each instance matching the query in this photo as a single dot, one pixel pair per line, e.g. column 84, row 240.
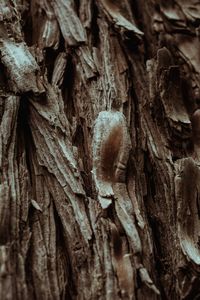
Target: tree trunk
column 99, row 149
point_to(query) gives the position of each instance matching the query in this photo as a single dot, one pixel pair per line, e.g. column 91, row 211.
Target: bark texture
column 99, row 149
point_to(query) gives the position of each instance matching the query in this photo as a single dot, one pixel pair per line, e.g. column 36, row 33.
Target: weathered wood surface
column 99, row 149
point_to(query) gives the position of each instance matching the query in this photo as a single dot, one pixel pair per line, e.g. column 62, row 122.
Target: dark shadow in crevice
column 25, row 141
column 67, row 89
column 28, row 264
column 156, row 225
column 50, row 57
column 27, row 27
column 94, row 26
column 83, row 153
column 77, row 5
column 62, row 252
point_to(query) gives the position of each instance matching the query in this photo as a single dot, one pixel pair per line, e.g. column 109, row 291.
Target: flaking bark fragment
column 36, row 205
column 46, row 32
column 21, row 66
column 70, row 25
column 114, row 13
column 111, row 146
column 164, row 58
column 187, row 189
column 122, row 264
column 59, row 69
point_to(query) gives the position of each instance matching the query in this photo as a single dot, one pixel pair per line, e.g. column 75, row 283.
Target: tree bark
column 99, row 149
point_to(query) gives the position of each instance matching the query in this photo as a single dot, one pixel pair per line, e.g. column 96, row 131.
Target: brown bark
column 99, row 149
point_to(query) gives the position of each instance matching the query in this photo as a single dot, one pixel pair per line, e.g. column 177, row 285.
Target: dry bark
column 99, row 149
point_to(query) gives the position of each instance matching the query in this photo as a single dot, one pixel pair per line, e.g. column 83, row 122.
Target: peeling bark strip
column 21, row 66
column 122, row 264
column 54, row 152
column 111, row 146
column 187, row 183
column 70, row 25
column 46, row 32
column 59, row 69
column 188, row 193
column 115, row 13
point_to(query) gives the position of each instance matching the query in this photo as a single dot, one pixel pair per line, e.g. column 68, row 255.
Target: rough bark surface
column 99, row 149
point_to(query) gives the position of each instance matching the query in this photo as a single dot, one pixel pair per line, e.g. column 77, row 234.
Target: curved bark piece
column 124, row 210
column 172, row 99
column 6, row 281
column 70, row 25
column 8, row 182
column 187, row 183
column 46, row 32
column 111, row 146
column 191, row 9
column 122, row 264
column 21, row 66
column 189, row 50
column 59, row 69
column 113, row 11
